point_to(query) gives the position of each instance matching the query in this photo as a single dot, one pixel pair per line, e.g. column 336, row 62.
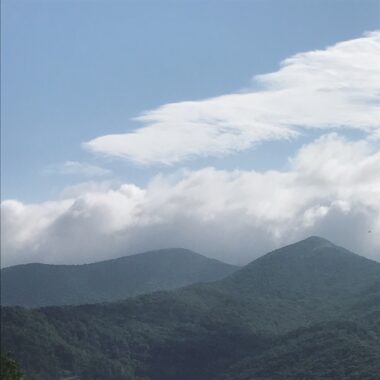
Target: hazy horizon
column 158, row 251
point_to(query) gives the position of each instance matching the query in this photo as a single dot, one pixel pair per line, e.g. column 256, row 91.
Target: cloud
column 78, row 168
column 332, row 188
column 73, row 191
column 338, row 87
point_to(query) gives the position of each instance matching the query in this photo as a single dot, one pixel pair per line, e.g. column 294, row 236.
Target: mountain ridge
column 38, row 284
column 213, row 331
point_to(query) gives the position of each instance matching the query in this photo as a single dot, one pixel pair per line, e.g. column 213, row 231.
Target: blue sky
column 74, row 70
column 227, row 127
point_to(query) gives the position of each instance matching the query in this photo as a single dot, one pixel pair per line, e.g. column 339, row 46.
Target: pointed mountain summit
column 311, row 268
column 34, row 285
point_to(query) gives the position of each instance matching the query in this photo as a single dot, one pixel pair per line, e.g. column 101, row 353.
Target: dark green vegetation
column 9, row 369
column 307, row 311
column 34, row 285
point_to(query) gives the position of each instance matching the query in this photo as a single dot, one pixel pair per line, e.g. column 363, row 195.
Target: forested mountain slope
column 307, row 311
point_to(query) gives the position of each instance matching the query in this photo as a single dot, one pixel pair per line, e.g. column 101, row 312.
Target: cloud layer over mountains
column 331, row 188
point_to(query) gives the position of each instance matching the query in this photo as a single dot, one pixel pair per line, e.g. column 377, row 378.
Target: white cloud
column 338, row 87
column 332, row 188
column 78, row 168
column 73, row 191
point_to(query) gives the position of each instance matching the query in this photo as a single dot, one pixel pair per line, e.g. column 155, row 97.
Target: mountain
column 34, row 285
column 313, row 270
column 310, row 310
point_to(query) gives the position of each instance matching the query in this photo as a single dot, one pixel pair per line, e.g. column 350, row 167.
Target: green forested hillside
column 35, row 285
column 307, row 311
column 335, row 350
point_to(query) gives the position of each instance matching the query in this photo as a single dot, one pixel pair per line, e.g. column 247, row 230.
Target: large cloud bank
column 332, row 189
column 338, row 87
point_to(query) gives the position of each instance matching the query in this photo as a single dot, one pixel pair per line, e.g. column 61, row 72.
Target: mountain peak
column 302, row 248
column 316, row 240
column 308, row 268
column 309, row 243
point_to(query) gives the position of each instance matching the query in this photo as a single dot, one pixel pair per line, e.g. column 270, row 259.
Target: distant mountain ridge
column 34, row 285
column 310, row 310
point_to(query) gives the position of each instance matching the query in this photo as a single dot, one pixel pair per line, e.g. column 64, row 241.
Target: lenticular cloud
column 335, row 88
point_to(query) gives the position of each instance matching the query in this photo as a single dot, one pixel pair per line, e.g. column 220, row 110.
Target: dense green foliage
column 34, row 285
column 307, row 311
column 336, row 350
column 9, row 369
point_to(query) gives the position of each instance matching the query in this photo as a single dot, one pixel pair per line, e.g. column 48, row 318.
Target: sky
column 227, row 127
